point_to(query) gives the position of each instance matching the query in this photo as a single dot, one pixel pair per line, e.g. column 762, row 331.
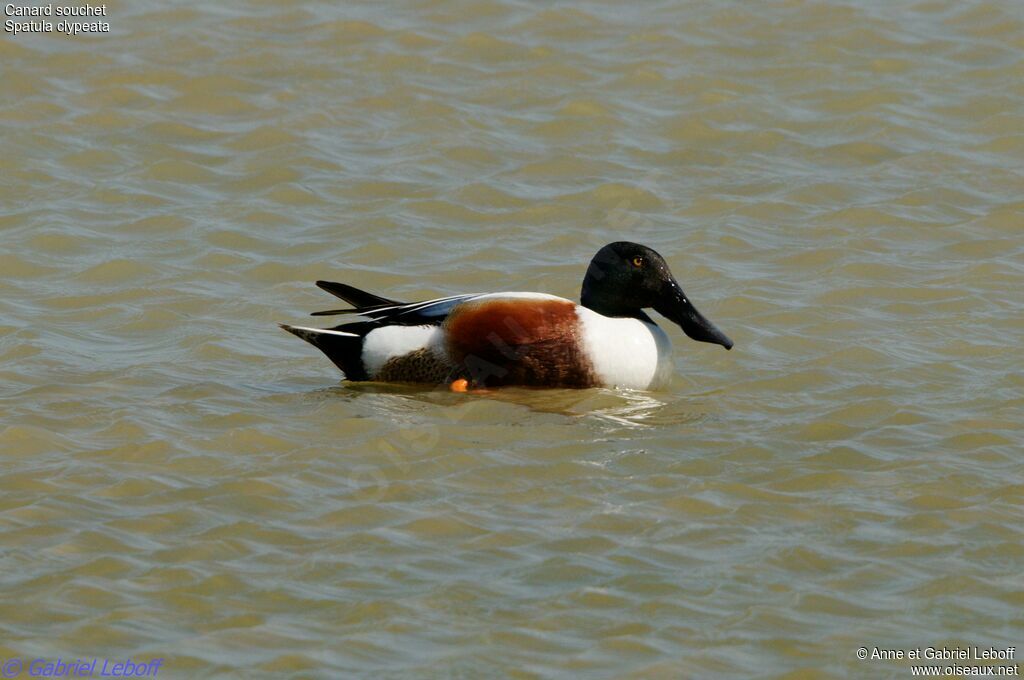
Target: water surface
column 837, row 185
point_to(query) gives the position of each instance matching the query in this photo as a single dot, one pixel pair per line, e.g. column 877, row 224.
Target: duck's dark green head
column 625, row 278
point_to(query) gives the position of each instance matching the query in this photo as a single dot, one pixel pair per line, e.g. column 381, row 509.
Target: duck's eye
column 638, row 261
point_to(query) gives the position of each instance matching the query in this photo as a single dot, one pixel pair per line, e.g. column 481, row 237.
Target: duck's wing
column 382, row 311
column 427, row 312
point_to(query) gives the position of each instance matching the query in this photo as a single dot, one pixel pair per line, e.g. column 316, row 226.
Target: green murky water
column 838, row 185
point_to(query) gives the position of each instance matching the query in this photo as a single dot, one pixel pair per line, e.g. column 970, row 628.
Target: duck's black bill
column 675, row 306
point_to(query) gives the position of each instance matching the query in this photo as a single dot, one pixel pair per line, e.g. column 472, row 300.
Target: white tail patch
column 388, row 342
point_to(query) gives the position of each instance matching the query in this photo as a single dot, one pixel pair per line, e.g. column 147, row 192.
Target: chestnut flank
column 518, row 342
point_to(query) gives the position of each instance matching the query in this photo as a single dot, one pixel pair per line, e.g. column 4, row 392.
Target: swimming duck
column 533, row 339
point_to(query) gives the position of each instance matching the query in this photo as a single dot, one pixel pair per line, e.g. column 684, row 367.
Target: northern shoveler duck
column 493, row 339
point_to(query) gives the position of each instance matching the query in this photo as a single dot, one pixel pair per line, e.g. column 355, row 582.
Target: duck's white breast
column 625, row 352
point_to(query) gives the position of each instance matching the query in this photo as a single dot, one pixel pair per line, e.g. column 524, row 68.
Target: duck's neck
column 608, row 307
column 607, row 297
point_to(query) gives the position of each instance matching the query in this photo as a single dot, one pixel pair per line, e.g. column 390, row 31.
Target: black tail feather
column 334, row 312
column 355, row 296
column 344, row 350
